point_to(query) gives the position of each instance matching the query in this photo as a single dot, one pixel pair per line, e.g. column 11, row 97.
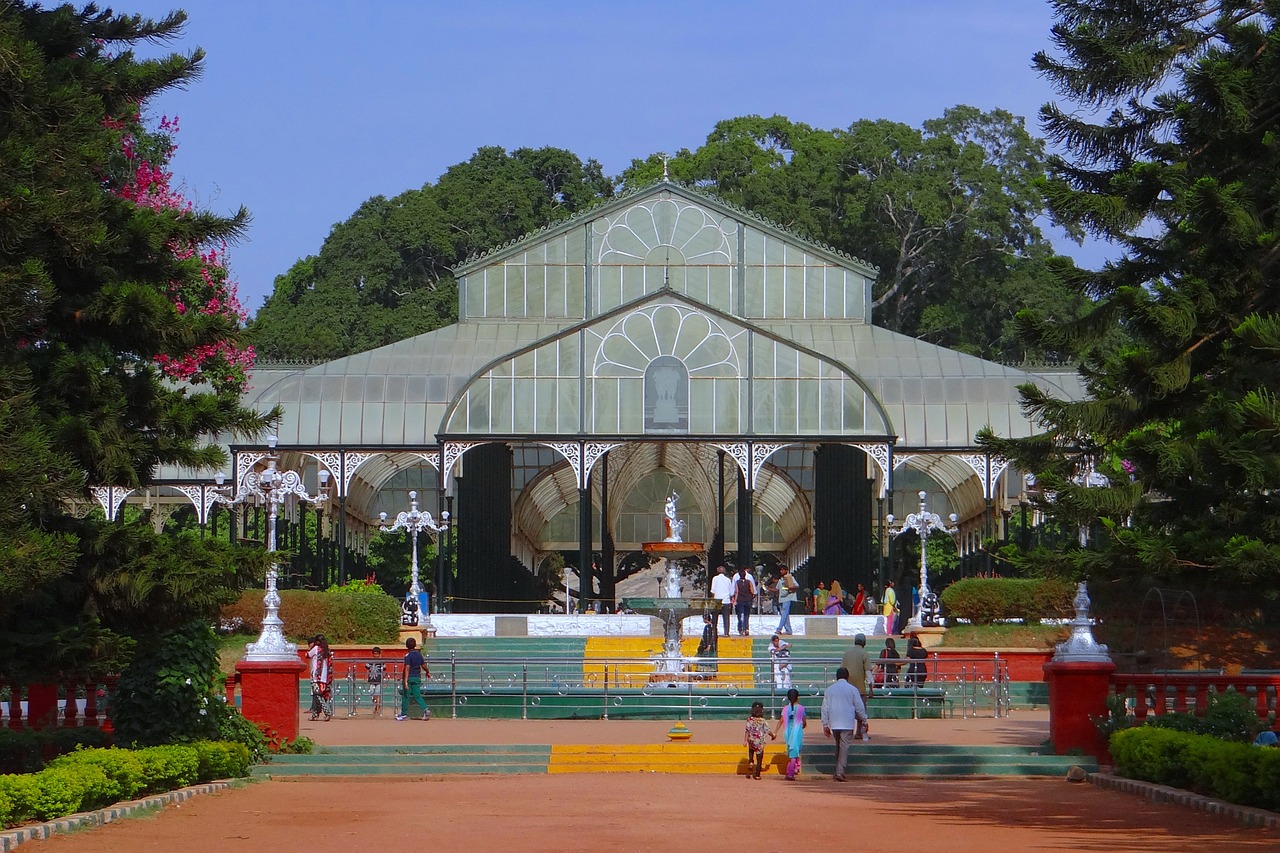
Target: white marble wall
column 763, row 626
column 577, row 625
column 545, row 625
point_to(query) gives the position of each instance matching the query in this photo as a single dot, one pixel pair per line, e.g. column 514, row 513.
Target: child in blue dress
column 792, row 722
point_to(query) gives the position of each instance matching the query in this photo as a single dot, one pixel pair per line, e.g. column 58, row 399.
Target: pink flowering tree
column 143, row 178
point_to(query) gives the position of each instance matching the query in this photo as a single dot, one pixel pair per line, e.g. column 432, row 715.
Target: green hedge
column 92, row 778
column 343, row 617
column 1235, row 772
column 986, row 600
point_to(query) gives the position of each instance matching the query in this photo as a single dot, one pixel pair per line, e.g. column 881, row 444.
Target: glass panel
column 514, row 305
column 535, row 296
column 815, row 292
column 807, row 405
column 546, row 418
column 567, row 404
column 854, row 405
column 631, row 405
column 575, row 290
column 503, row 418
column 604, row 398
column 522, row 417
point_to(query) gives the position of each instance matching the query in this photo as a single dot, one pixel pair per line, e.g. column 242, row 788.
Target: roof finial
column 665, row 161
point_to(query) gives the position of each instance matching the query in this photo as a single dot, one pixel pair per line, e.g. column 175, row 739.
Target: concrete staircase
column 866, row 759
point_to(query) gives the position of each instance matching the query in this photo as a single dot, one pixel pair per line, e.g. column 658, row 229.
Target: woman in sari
column 792, row 722
column 860, row 601
column 321, row 677
column 833, row 601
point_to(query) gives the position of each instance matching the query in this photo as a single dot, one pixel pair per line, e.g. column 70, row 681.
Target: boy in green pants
column 415, row 669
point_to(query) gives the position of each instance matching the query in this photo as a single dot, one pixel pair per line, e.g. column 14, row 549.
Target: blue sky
column 307, row 109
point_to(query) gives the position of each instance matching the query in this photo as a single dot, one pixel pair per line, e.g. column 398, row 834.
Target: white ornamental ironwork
column 274, row 488
column 415, row 521
column 923, row 523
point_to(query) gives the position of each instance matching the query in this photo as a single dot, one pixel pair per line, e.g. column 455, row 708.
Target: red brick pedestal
column 269, row 696
column 1078, row 691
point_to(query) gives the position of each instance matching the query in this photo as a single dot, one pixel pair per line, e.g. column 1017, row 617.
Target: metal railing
column 556, row 687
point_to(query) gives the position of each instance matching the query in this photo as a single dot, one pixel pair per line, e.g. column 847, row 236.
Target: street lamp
column 923, row 523
column 274, row 488
column 415, row 521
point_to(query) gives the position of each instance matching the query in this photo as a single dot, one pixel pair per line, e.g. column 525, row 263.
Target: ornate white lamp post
column 415, row 521
column 273, row 488
column 923, row 523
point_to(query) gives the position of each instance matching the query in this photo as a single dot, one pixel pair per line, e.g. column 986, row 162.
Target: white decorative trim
column 330, row 459
column 998, row 466
column 740, row 451
column 110, row 498
column 899, row 461
column 351, row 461
column 451, row 452
column 879, row 452
column 760, row 452
column 572, row 452
column 431, row 457
column 202, row 498
column 987, row 468
column 592, row 451
column 243, row 462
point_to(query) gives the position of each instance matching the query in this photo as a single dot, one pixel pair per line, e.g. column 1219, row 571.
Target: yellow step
column 660, row 758
column 630, row 661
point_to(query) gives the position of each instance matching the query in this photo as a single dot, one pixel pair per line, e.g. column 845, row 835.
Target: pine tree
column 1173, row 156
column 111, row 287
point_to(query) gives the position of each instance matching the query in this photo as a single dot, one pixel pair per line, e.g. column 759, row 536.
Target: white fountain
column 672, row 606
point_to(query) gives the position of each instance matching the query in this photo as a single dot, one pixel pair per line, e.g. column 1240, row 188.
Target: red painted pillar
column 269, row 696
column 1077, row 693
column 42, row 705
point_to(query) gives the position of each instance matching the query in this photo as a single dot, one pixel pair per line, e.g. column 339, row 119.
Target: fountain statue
column 673, row 606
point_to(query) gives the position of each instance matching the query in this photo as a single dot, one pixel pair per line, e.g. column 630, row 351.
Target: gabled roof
column 691, row 194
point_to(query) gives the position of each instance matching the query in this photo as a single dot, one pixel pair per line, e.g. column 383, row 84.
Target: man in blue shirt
column 842, row 711
column 415, row 669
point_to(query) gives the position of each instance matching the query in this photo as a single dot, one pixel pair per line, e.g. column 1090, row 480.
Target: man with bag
column 744, row 597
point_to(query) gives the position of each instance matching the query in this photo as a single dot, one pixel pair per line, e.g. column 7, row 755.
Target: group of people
column 412, row 676
column 844, row 718
column 738, row 592
column 844, row 712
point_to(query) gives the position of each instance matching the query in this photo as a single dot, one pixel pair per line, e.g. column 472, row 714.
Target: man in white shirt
column 722, row 588
column 842, row 711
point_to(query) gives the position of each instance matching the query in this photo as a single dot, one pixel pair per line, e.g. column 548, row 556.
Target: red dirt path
column 621, row 812
column 642, row 812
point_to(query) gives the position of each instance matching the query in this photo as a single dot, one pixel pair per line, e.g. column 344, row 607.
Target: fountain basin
column 673, row 550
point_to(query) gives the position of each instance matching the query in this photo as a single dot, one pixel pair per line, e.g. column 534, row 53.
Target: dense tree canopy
column 111, row 286
column 1181, row 169
column 384, row 274
column 948, row 212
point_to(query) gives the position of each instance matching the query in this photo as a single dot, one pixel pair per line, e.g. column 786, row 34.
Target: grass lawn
column 1005, row 636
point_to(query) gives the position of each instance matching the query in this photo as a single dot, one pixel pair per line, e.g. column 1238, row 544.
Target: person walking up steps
column 722, row 588
column 744, row 597
column 792, row 722
column 754, row 737
column 415, row 669
column 842, row 712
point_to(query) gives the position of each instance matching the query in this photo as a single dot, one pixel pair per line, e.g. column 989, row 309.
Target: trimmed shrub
column 341, row 615
column 63, row 790
column 19, row 791
column 1231, row 771
column 122, row 768
column 986, row 600
column 221, row 760
column 92, row 778
column 167, row 767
